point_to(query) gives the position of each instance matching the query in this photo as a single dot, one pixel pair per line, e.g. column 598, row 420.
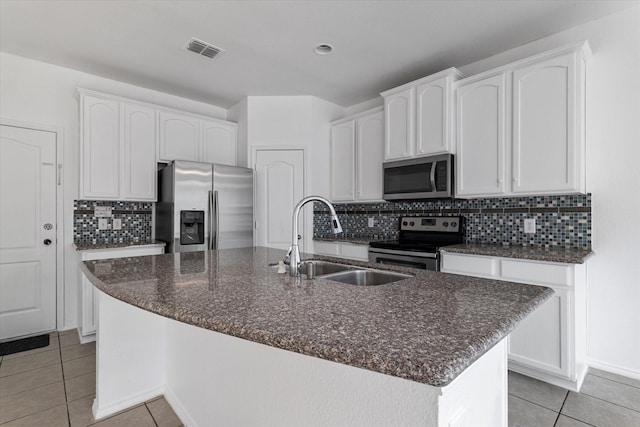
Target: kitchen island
column 227, row 340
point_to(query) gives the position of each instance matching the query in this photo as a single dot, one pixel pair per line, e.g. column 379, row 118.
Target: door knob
column 47, row 242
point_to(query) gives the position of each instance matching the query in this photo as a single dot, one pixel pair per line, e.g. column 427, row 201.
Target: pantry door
column 27, row 231
column 279, row 187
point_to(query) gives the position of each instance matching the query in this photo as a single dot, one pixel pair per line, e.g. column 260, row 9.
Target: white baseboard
column 614, row 369
column 178, row 408
column 126, row 403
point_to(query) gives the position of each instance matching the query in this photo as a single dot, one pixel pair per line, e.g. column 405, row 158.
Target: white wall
column 613, row 178
column 41, row 93
column 293, row 121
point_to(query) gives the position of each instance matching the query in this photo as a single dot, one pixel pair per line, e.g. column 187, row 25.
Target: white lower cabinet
column 342, row 250
column 87, row 313
column 550, row 344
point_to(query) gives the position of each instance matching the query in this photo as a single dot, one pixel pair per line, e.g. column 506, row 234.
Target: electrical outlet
column 103, row 224
column 530, row 225
column 117, row 224
column 372, row 222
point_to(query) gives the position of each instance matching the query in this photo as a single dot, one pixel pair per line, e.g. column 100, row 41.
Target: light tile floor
column 55, row 386
column 605, row 400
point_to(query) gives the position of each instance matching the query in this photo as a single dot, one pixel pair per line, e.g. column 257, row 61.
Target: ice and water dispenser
column 191, row 227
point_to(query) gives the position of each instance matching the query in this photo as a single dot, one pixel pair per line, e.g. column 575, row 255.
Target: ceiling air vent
column 203, row 48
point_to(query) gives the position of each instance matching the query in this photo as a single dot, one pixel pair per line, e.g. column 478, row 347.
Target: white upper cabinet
column 179, row 137
column 547, row 148
column 343, row 162
column 399, row 109
column 117, row 150
column 418, row 117
column 480, row 162
column 520, row 128
column 122, row 139
column 218, row 142
column 187, row 137
column 357, row 153
column 100, row 148
column 138, row 162
column 370, row 155
column 433, row 110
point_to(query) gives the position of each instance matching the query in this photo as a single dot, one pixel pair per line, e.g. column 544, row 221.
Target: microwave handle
column 432, row 176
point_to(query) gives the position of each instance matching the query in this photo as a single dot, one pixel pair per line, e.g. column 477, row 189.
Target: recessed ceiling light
column 323, row 49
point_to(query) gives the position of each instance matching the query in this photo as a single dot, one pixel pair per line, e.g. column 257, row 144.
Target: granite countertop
column 552, row 254
column 354, row 240
column 427, row 328
column 89, row 246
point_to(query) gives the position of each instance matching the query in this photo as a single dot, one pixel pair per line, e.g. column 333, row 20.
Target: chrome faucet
column 293, row 256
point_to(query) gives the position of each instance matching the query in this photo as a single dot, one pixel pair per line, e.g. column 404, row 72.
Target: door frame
column 59, row 136
column 308, row 218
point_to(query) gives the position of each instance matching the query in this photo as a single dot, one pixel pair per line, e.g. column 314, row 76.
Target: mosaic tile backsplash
column 562, row 220
column 135, row 216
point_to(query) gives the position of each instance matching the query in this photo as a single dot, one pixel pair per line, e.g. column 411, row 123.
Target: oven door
column 421, row 260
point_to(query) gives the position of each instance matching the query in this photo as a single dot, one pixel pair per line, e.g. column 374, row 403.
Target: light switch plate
column 103, row 224
column 530, row 225
column 117, row 224
column 372, row 222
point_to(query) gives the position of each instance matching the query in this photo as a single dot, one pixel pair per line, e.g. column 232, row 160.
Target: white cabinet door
column 433, row 105
column 343, row 148
column 480, row 164
column 138, row 164
column 541, row 340
column 179, row 137
column 87, row 299
column 399, row 110
column 544, row 127
column 218, row 143
column 370, row 155
column 100, row 148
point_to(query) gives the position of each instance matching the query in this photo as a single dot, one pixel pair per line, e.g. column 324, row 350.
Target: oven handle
column 405, row 253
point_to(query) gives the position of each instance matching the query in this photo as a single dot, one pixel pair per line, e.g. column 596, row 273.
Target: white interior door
column 27, row 231
column 279, row 186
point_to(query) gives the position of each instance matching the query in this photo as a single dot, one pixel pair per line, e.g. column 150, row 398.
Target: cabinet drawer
column 469, row 265
column 349, row 250
column 536, row 273
column 326, row 248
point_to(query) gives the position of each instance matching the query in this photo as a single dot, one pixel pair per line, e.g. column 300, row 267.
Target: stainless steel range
column 419, row 242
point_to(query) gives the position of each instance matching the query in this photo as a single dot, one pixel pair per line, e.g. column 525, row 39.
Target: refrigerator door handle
column 210, row 242
column 216, row 237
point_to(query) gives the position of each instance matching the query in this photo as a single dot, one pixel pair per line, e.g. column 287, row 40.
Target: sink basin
column 324, row 267
column 349, row 274
column 321, row 267
column 366, row 277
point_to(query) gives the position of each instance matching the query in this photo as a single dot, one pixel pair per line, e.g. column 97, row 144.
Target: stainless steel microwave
column 421, row 178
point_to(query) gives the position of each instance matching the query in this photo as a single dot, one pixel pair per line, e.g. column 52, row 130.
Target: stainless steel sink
column 320, row 267
column 323, row 267
column 367, row 277
column 349, row 274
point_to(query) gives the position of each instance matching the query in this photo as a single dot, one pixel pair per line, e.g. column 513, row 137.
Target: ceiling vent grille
column 203, row 48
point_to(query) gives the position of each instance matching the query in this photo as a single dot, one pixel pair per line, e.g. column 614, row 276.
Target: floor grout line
column 615, row 381
column 561, row 406
column 613, row 403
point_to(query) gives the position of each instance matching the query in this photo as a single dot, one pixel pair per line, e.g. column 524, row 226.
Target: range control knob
column 412, row 223
column 404, row 222
column 453, row 224
column 445, row 224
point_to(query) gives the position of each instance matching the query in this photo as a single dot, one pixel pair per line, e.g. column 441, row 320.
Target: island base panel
column 205, row 376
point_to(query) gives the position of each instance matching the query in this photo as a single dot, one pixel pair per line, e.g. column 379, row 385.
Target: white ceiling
column 269, row 44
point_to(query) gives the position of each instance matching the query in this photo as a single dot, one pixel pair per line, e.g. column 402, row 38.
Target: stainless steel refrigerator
column 203, row 206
